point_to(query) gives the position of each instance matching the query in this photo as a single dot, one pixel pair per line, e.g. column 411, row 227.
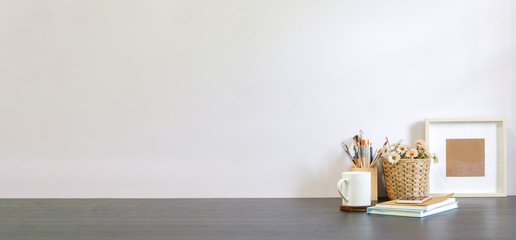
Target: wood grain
column 243, row 219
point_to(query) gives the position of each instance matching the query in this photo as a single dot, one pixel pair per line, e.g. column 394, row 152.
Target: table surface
column 316, row 218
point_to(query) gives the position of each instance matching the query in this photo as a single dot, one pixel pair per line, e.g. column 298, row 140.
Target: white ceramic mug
column 355, row 188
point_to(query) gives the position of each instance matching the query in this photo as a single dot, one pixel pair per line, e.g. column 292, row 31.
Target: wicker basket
column 407, row 178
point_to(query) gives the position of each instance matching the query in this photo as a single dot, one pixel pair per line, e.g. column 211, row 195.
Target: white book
column 412, row 213
column 416, row 207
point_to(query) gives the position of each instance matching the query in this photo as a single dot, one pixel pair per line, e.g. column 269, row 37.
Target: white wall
column 234, row 98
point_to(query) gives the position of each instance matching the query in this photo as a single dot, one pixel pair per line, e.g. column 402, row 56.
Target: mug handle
column 339, row 188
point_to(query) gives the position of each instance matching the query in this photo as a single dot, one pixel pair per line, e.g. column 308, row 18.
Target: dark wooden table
column 477, row 218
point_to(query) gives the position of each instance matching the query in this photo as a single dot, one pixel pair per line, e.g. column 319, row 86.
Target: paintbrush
column 380, row 153
column 346, row 149
column 369, row 154
column 377, row 157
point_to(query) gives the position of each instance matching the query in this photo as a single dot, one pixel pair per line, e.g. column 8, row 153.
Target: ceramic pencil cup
column 355, row 189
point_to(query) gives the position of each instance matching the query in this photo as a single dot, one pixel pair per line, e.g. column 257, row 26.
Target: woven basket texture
column 407, row 178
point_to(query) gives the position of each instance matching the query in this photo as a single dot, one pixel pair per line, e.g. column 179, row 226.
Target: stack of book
column 430, row 207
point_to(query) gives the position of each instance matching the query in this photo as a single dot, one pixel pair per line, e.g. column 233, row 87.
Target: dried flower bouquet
column 394, row 152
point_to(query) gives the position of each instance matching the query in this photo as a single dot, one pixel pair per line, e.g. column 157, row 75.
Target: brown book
column 426, row 203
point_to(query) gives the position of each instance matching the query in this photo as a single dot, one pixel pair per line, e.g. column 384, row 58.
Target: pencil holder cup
column 355, row 189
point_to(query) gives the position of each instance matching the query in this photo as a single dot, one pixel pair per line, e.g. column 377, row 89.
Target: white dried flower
column 393, row 157
column 436, row 159
column 402, row 148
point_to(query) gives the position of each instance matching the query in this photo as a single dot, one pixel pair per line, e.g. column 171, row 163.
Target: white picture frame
column 494, row 181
